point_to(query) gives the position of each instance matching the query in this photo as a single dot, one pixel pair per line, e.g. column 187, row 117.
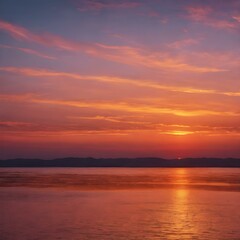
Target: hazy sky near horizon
column 120, row 78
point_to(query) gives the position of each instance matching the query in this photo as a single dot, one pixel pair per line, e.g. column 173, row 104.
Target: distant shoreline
column 124, row 162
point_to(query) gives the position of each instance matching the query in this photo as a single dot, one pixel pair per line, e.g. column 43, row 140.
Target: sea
column 120, row 203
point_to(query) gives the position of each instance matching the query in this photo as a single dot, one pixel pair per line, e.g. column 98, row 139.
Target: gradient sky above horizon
column 120, row 78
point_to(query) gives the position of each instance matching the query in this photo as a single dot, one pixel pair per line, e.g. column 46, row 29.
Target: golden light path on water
column 183, row 221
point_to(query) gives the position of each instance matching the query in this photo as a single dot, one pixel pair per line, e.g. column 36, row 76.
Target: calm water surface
column 119, row 203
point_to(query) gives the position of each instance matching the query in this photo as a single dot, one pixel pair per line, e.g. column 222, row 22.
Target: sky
column 104, row 78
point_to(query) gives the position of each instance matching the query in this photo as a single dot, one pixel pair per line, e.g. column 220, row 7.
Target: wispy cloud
column 142, row 57
column 112, row 119
column 120, row 106
column 28, row 51
column 38, row 133
column 96, row 5
column 237, row 18
column 122, row 54
column 207, row 16
column 227, row 59
column 153, row 14
column 175, row 129
column 10, row 124
column 183, row 43
column 120, row 126
column 31, row 72
column 199, row 13
column 46, row 39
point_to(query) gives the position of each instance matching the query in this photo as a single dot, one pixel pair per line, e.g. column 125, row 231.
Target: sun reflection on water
column 180, row 177
column 182, row 210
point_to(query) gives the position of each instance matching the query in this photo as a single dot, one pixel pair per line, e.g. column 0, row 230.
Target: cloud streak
column 95, row 5
column 30, row 72
column 28, row 51
column 119, row 106
column 122, row 128
column 121, row 54
column 183, row 43
column 205, row 15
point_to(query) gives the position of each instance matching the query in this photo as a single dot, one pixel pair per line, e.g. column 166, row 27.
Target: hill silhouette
column 122, row 162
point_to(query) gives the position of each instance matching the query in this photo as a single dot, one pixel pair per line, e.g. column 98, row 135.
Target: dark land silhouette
column 122, row 162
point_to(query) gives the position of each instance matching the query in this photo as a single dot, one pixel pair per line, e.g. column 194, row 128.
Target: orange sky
column 130, row 79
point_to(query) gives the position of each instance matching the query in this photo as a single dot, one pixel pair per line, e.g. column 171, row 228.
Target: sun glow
column 180, row 133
